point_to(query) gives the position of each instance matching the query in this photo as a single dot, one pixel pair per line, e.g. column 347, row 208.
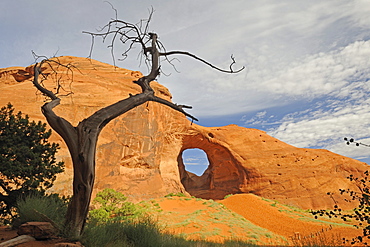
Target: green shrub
column 39, row 207
column 112, row 206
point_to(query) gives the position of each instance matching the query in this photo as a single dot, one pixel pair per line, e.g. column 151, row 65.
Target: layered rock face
column 140, row 152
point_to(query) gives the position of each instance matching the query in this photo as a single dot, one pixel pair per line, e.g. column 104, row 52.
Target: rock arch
column 224, row 175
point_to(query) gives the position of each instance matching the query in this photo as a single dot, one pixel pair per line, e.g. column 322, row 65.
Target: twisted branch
column 151, row 49
column 231, row 71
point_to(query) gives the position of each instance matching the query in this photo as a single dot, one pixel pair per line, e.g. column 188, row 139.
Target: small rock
column 38, row 230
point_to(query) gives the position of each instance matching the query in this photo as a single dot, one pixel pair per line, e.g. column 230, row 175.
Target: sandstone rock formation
column 140, row 152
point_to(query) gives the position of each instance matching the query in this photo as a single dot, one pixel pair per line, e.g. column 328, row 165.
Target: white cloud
column 327, row 128
column 322, row 73
column 196, row 164
column 343, row 107
column 190, row 159
column 257, row 119
column 360, row 12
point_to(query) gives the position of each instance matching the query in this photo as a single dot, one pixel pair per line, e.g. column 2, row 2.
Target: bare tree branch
column 115, row 10
column 231, row 71
column 130, row 34
column 58, row 78
column 176, row 107
column 43, row 90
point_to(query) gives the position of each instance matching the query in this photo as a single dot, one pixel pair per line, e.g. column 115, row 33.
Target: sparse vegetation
column 175, row 194
column 117, row 222
column 207, row 221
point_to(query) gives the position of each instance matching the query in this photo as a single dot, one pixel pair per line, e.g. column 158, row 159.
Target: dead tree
column 81, row 140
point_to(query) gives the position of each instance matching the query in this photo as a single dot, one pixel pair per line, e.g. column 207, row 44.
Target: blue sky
column 195, row 160
column 306, row 80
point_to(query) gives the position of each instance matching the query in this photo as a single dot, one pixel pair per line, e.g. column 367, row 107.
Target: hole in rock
column 195, row 161
column 209, row 170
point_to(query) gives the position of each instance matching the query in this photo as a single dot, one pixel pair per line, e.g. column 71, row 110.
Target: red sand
column 261, row 213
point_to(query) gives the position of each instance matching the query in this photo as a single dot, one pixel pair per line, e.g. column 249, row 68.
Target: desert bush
column 39, row 207
column 112, row 206
column 359, row 216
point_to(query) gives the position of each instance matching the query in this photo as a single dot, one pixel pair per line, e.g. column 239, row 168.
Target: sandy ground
column 256, row 210
column 261, row 213
column 295, row 227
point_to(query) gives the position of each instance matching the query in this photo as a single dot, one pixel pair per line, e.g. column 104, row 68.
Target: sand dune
column 271, row 221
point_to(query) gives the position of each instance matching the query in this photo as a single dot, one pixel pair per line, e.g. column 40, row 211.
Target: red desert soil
column 261, row 213
column 281, row 220
column 258, row 211
column 180, row 208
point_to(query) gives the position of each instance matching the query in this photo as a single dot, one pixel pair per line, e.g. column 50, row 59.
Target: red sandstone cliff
column 140, row 152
